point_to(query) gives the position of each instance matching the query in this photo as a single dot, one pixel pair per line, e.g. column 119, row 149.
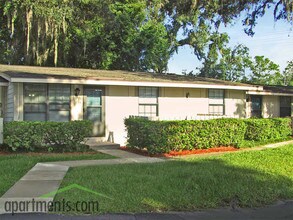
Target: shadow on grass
column 180, row 185
column 14, row 166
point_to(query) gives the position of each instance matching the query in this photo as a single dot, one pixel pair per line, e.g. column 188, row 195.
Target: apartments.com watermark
column 50, row 206
column 45, row 203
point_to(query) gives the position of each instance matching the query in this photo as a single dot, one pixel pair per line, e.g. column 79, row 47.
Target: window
column 93, row 104
column 44, row 102
column 216, row 102
column 148, row 101
column 285, row 106
column 256, row 105
column 59, row 102
column 35, row 107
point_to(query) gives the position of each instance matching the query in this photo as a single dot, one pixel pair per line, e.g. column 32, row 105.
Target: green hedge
column 268, row 129
column 50, row 136
column 164, row 136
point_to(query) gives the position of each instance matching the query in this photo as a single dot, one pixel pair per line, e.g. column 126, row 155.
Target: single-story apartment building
column 108, row 97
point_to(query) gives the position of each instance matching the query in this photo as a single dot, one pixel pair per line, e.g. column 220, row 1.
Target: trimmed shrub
column 50, row 136
column 267, row 129
column 164, row 136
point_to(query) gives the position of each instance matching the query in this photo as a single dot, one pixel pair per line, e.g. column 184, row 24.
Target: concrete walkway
column 124, row 157
column 44, row 178
column 40, row 180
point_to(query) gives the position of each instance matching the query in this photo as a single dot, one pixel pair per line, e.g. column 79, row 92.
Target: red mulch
column 4, row 153
column 181, row 153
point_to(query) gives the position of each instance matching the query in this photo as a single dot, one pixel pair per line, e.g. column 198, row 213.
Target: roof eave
column 135, row 83
column 269, row 93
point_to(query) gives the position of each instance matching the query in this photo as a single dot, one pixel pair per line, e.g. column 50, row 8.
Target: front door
column 94, row 103
column 256, row 106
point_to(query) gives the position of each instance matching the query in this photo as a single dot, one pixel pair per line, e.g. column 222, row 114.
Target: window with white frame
column 148, row 101
column 35, row 97
column 59, row 102
column 43, row 102
column 216, row 101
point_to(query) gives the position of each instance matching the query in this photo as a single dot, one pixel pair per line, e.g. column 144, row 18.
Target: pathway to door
column 44, row 178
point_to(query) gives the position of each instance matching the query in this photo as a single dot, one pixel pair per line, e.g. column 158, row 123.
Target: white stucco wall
column 76, row 103
column 120, row 103
column 173, row 103
column 235, row 103
column 270, row 106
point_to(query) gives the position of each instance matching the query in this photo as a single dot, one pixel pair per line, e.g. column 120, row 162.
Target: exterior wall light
column 77, row 92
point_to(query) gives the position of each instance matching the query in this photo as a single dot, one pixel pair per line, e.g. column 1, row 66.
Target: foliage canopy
column 132, row 35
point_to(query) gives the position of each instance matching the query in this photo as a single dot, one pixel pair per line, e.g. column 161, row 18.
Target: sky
column 272, row 39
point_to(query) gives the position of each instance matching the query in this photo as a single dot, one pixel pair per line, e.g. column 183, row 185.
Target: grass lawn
column 249, row 178
column 13, row 167
column 250, row 144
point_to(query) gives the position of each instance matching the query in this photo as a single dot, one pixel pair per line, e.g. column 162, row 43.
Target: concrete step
column 105, row 146
column 98, row 143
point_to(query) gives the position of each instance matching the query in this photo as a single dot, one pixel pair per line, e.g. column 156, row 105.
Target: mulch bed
column 181, row 153
column 140, row 152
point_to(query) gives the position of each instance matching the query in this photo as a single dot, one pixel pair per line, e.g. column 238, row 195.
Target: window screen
column 216, row 102
column 148, row 101
column 94, row 104
column 59, row 102
column 35, row 102
column 43, row 102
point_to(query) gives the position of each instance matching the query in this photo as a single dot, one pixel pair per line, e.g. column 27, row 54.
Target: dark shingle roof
column 279, row 89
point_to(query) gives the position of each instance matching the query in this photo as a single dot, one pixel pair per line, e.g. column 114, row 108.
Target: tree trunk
column 29, row 16
column 45, row 49
column 56, row 35
column 13, row 23
column 64, row 37
column 84, row 47
column 39, row 62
